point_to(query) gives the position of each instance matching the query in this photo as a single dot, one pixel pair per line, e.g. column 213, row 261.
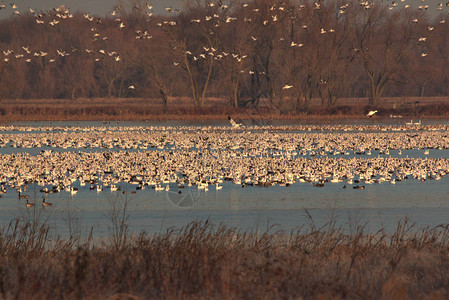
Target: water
column 251, row 208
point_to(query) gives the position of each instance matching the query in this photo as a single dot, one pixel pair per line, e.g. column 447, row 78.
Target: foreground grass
column 204, row 261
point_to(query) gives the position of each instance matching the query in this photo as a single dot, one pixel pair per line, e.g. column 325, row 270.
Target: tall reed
column 204, row 261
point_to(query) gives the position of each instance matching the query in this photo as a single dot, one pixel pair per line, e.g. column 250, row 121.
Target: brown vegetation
column 142, row 109
column 204, row 261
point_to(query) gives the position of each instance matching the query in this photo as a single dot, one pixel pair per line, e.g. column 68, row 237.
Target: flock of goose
column 61, row 14
column 103, row 158
column 251, row 141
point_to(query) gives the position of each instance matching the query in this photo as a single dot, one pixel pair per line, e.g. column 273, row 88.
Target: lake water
column 251, row 208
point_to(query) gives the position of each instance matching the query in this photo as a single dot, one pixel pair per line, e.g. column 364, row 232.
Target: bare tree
column 268, row 20
column 195, row 46
column 429, row 72
column 242, row 50
column 336, row 50
column 234, row 35
column 159, row 69
column 382, row 40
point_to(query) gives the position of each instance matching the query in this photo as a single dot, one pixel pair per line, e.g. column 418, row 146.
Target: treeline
column 287, row 52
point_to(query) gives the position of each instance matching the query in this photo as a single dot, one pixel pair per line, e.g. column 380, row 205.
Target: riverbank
column 204, row 261
column 142, row 109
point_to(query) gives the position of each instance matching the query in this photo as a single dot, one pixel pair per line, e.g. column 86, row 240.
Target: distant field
column 215, row 108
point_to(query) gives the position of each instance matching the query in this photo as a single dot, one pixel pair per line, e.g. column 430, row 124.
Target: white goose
column 371, row 113
column 233, row 123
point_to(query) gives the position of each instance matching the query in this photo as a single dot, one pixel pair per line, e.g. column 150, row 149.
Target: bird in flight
column 371, row 113
column 233, row 123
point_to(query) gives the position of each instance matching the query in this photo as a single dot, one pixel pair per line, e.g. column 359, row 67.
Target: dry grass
column 139, row 109
column 204, row 261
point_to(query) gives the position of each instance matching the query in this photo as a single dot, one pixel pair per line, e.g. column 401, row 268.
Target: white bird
column 286, row 87
column 233, row 123
column 73, row 191
column 371, row 113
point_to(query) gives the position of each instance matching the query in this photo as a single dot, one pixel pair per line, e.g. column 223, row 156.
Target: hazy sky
column 103, row 7
column 97, row 7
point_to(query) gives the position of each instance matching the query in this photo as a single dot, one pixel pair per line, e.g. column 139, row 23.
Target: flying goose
column 233, row 123
column 371, row 113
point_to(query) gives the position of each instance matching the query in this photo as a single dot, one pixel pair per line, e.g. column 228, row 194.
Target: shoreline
column 181, row 109
column 300, row 119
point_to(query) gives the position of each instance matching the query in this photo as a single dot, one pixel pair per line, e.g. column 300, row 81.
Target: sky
column 97, row 7
column 104, row 7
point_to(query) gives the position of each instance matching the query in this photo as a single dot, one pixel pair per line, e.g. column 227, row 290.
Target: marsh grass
column 204, row 261
column 119, row 216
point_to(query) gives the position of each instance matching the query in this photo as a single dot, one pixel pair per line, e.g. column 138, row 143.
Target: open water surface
column 250, row 208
